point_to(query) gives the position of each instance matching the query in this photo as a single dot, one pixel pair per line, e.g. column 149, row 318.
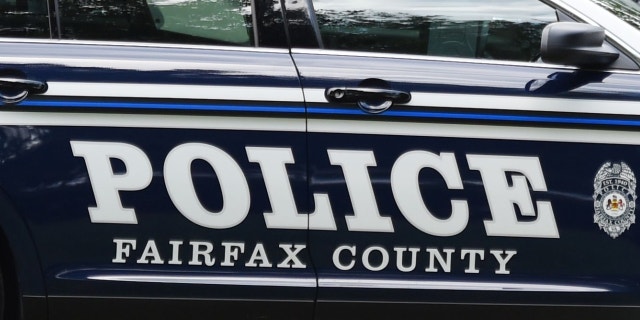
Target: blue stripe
column 161, row 106
column 330, row 111
column 481, row 117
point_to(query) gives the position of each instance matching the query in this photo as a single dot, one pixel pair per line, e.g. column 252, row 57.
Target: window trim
column 254, row 21
column 313, row 20
column 364, row 54
column 145, row 45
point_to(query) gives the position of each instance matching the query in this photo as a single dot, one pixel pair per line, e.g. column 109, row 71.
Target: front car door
column 455, row 173
column 156, row 160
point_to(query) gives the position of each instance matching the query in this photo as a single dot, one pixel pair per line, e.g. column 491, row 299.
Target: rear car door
column 457, row 174
column 156, row 152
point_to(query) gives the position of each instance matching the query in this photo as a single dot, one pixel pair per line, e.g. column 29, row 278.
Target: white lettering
column 336, row 258
column 201, row 249
column 259, row 254
column 235, row 191
column 106, row 184
column 498, row 254
column 231, row 252
column 503, row 197
column 284, row 213
column 367, row 262
column 399, row 258
column 292, row 260
column 509, row 183
column 472, row 259
column 322, row 217
column 175, row 252
column 434, row 254
column 150, row 254
column 406, row 190
column 366, row 215
column 374, row 258
column 123, row 249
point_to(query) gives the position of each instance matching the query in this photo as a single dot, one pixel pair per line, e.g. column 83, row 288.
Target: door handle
column 372, row 100
column 20, row 88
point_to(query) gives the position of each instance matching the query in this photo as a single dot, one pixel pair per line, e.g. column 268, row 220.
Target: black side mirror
column 576, row 44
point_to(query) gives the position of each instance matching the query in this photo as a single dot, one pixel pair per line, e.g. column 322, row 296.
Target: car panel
column 565, row 129
column 333, row 194
column 561, row 120
column 154, row 100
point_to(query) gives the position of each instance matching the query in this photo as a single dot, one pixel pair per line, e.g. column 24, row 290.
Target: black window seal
column 254, row 21
column 50, row 18
column 58, row 25
column 314, row 23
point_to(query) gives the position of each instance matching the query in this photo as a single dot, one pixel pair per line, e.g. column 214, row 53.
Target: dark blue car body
column 199, row 181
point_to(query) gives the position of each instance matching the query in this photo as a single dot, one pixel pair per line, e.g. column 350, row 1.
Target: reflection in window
column 24, row 18
column 226, row 22
column 627, row 10
column 490, row 29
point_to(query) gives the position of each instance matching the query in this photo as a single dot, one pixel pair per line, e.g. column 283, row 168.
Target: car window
column 627, row 10
column 226, row 22
column 489, row 29
column 24, row 18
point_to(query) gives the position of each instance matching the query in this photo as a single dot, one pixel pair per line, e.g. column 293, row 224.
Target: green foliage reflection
column 627, row 10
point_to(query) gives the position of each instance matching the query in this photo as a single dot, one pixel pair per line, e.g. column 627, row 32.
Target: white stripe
column 422, row 57
column 150, row 121
column 474, row 131
column 213, row 280
column 171, row 91
column 320, row 126
column 488, row 62
column 144, row 45
column 513, row 103
column 453, row 285
column 149, row 63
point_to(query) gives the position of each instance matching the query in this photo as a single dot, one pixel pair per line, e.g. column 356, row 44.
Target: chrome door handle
column 21, row 88
column 372, row 100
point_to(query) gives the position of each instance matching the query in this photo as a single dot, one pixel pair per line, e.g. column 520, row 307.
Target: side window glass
column 627, row 10
column 489, row 29
column 24, row 19
column 222, row 22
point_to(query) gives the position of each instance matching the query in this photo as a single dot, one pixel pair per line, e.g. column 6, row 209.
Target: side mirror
column 576, row 44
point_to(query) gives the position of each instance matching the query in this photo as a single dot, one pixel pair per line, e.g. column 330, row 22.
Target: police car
column 319, row 159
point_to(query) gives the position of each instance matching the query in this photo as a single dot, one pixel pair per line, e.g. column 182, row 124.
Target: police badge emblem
column 614, row 199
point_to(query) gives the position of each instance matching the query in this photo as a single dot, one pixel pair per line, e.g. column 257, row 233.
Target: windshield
column 627, row 10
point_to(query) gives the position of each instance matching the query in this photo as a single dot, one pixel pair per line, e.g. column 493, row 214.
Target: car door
column 156, row 152
column 455, row 174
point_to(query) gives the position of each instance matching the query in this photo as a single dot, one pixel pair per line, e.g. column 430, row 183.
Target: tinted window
column 24, row 18
column 226, row 22
column 489, row 29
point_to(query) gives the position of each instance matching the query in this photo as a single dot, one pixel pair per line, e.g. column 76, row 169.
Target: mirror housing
column 576, row 44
